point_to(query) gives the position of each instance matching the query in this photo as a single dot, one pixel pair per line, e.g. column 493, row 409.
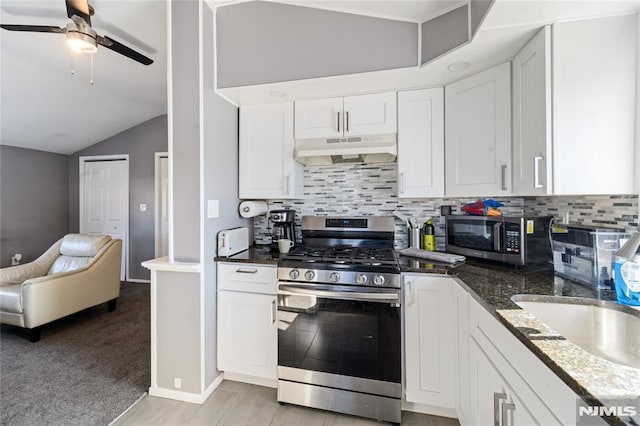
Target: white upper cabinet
column 370, row 114
column 350, row 116
column 478, row 134
column 267, row 169
column 319, row 119
column 421, row 143
column 532, row 147
column 594, row 90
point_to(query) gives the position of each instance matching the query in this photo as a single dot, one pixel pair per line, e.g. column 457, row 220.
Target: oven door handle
column 391, row 297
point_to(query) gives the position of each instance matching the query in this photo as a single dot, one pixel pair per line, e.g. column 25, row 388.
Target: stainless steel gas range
column 339, row 334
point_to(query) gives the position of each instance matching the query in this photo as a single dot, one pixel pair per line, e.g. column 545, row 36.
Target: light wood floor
column 235, row 404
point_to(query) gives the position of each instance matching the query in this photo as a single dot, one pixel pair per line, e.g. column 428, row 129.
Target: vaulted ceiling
column 44, row 106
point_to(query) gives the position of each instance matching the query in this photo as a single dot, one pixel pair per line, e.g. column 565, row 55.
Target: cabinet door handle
column 506, row 407
column 338, row 121
column 274, row 312
column 287, row 184
column 497, row 397
column 346, row 126
column 536, row 172
column 503, row 177
column 402, row 183
column 410, row 290
column 246, row 271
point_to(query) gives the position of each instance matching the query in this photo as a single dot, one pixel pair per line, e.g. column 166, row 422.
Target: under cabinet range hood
column 361, row 149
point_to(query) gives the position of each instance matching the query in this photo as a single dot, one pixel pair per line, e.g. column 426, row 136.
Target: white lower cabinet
column 247, row 321
column 507, row 384
column 461, row 309
column 429, row 341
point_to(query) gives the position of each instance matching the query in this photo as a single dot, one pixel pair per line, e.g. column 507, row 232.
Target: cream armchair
column 77, row 272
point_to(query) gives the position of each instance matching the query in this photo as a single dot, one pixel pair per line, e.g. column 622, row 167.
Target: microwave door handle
column 497, row 237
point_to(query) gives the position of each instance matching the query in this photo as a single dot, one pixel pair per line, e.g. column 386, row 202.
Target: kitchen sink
column 604, row 329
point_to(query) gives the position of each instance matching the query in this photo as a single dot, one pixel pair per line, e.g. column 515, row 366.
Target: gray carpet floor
column 86, row 370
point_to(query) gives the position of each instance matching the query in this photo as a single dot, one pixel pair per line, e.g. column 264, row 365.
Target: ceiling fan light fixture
column 81, row 38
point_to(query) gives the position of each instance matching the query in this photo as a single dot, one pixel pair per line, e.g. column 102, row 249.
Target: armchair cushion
column 81, row 245
column 77, row 251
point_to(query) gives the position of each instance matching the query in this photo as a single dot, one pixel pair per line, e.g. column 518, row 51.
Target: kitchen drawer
column 248, row 277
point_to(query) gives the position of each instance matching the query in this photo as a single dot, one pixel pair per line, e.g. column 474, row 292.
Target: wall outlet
column 445, row 210
column 177, row 382
column 143, row 207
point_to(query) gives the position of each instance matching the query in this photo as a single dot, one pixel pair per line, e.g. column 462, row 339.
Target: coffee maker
column 283, row 226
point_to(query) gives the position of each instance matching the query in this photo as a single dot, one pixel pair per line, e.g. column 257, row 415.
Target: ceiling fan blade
column 79, row 8
column 34, row 28
column 120, row 48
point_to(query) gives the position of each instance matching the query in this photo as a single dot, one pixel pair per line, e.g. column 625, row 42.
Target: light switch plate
column 143, row 207
column 213, row 208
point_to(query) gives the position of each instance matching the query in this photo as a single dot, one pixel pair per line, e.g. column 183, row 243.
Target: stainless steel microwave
column 515, row 240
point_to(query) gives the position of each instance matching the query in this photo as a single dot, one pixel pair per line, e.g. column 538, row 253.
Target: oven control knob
column 378, row 280
column 294, row 274
column 334, row 277
column 361, row 279
column 309, row 275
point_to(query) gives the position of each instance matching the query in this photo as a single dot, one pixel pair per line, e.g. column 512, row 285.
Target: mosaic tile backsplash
column 370, row 190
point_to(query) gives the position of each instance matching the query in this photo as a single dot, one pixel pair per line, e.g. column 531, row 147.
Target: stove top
column 343, row 255
column 343, row 251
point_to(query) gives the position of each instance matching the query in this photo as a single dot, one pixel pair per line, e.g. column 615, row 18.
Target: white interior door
column 162, row 206
column 104, row 189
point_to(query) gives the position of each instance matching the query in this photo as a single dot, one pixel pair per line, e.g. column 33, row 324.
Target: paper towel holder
column 251, row 208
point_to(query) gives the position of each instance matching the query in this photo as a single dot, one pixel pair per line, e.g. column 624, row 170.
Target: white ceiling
column 405, row 10
column 44, row 107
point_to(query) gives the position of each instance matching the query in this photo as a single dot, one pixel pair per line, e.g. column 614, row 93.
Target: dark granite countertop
column 258, row 254
column 492, row 285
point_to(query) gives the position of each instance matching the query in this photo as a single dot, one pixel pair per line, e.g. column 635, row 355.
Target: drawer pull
column 274, row 311
column 246, row 271
column 506, row 407
column 497, row 397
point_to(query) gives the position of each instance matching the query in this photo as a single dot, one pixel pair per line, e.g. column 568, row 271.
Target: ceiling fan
column 80, row 36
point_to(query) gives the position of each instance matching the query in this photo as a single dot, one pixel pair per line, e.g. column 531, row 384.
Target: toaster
column 232, row 241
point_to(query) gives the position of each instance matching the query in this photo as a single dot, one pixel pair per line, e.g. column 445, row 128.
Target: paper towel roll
column 253, row 208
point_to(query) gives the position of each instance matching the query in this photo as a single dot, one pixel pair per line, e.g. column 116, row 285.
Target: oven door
column 346, row 337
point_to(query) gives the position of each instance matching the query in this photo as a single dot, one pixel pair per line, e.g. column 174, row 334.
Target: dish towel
column 432, row 255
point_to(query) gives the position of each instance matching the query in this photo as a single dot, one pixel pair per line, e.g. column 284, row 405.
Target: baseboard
column 429, row 409
column 216, row 382
column 136, row 280
column 114, row 421
column 194, row 398
column 260, row 381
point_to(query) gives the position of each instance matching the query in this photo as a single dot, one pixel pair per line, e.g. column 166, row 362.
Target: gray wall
column 34, row 202
column 479, row 9
column 263, row 42
column 220, row 155
column 185, row 91
column 140, row 142
column 178, row 324
column 444, row 33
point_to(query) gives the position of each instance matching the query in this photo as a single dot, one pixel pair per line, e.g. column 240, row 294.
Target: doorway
column 161, row 204
column 104, row 200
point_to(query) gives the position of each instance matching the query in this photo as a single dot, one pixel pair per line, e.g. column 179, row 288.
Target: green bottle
column 428, row 236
